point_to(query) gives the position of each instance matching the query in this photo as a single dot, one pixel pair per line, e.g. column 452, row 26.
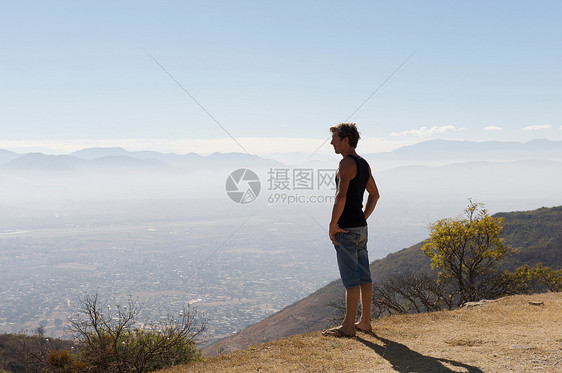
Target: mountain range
column 111, row 159
column 442, row 152
column 429, row 153
column 433, row 171
column 446, row 150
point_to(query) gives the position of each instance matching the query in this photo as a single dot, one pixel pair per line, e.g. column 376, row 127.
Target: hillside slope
column 536, row 233
column 508, row 334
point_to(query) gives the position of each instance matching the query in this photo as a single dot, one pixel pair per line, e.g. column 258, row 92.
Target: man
column 348, row 229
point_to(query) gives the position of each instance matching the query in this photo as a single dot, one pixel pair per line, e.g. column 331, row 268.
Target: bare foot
column 337, row 332
column 364, row 327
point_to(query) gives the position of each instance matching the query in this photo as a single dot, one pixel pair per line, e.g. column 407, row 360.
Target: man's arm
column 346, row 171
column 373, row 195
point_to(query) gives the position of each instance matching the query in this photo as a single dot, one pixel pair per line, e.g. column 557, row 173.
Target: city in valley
column 165, row 266
column 234, row 271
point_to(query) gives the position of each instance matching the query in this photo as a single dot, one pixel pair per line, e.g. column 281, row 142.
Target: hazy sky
column 276, row 74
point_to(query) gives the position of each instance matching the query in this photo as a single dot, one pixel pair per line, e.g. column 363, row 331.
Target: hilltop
column 537, row 234
column 508, row 334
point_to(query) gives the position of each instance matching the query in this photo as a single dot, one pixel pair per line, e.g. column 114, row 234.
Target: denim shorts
column 353, row 260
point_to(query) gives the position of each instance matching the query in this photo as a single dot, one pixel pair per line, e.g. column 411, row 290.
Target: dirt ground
column 506, row 335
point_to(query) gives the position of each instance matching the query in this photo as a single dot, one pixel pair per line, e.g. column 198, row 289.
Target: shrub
column 114, row 341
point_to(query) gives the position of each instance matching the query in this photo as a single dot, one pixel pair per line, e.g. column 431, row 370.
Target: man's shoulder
column 352, row 160
column 361, row 160
column 347, row 162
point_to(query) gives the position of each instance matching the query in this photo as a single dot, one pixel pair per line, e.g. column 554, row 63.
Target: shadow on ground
column 405, row 360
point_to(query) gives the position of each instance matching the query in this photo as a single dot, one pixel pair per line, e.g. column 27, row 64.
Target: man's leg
column 365, row 320
column 347, row 328
column 351, row 301
column 347, row 263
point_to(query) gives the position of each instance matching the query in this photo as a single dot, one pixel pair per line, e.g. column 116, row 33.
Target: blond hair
column 348, row 130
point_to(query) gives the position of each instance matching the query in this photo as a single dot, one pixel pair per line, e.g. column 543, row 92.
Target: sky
column 275, row 75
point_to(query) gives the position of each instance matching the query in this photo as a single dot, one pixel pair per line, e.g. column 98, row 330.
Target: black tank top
column 353, row 215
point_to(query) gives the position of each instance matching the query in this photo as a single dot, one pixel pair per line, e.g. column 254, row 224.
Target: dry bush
column 113, row 341
column 401, row 294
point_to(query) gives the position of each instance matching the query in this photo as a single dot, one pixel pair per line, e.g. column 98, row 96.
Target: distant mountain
column 95, row 153
column 123, row 162
column 428, row 153
column 440, row 152
column 169, row 158
column 537, row 234
column 67, row 164
column 190, row 160
column 44, row 163
column 486, row 175
column 111, row 159
column 6, row 156
column 156, row 174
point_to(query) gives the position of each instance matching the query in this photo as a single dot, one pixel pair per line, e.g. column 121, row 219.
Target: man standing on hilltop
column 348, row 229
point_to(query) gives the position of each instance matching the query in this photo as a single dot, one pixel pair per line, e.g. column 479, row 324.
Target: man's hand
column 333, row 230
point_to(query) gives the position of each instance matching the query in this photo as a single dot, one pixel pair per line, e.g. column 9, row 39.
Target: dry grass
column 507, row 335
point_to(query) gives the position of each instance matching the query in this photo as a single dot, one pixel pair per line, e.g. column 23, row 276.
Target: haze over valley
column 160, row 228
